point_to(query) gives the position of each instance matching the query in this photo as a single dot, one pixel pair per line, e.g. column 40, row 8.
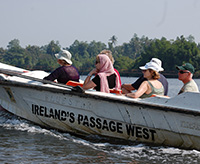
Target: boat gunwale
column 100, row 97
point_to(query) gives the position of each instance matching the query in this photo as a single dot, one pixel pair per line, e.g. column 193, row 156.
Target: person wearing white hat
column 157, row 64
column 154, row 64
column 66, row 71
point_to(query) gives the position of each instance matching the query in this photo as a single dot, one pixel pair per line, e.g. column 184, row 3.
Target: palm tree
column 113, row 40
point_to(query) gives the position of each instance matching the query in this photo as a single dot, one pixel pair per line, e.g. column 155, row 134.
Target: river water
column 22, row 142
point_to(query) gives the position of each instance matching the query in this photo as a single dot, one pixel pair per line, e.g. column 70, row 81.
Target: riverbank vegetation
column 128, row 56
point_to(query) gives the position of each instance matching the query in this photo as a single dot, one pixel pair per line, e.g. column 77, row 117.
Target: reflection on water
column 25, row 142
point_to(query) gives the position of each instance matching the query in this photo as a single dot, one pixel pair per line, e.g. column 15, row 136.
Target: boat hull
column 88, row 113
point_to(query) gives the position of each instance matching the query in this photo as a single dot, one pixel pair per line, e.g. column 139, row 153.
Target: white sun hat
column 155, row 64
column 64, row 55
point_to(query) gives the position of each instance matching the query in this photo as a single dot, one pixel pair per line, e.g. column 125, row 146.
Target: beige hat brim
column 143, row 68
column 58, row 56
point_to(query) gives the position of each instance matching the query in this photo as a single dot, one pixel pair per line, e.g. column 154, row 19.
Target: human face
column 60, row 62
column 146, row 73
column 183, row 74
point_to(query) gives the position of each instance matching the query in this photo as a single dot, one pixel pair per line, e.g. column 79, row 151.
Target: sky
column 38, row 22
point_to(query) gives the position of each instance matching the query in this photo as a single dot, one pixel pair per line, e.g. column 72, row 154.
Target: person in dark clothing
column 127, row 88
column 66, row 71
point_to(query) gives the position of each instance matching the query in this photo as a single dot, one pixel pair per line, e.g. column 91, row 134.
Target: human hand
column 94, row 71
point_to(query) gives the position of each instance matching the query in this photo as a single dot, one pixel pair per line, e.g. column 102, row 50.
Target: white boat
column 157, row 120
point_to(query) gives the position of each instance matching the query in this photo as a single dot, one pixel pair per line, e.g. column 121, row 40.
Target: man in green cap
column 185, row 74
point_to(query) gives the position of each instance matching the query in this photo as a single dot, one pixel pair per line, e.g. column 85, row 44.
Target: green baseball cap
column 186, row 66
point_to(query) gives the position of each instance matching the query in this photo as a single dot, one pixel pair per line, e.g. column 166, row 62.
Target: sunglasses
column 182, row 72
column 144, row 70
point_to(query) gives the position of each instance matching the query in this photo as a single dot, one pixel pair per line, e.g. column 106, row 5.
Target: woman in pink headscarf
column 106, row 78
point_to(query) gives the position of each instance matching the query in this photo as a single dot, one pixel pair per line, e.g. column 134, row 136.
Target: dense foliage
column 128, row 56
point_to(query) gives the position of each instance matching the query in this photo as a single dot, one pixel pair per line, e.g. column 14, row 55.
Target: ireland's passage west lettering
column 95, row 122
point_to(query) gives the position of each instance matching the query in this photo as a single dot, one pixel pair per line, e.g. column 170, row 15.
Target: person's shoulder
column 192, row 82
column 146, row 82
column 69, row 67
column 59, row 68
column 162, row 76
column 116, row 70
column 73, row 66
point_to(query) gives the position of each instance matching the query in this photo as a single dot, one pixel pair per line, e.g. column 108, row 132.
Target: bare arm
column 88, row 83
column 141, row 90
column 127, row 88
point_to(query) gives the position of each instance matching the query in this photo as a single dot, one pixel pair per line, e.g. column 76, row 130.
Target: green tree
column 53, row 48
column 112, row 43
column 94, row 48
column 128, row 56
column 113, row 40
column 14, row 46
column 32, row 55
column 2, row 53
column 186, row 51
column 157, row 48
column 15, row 43
column 80, row 48
column 123, row 63
column 190, row 38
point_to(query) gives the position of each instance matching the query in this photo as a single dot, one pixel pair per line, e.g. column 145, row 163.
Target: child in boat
column 106, row 78
column 152, row 86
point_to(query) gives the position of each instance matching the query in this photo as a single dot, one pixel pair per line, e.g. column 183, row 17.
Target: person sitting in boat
column 152, row 86
column 109, row 54
column 106, row 78
column 185, row 74
column 127, row 88
column 66, row 71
